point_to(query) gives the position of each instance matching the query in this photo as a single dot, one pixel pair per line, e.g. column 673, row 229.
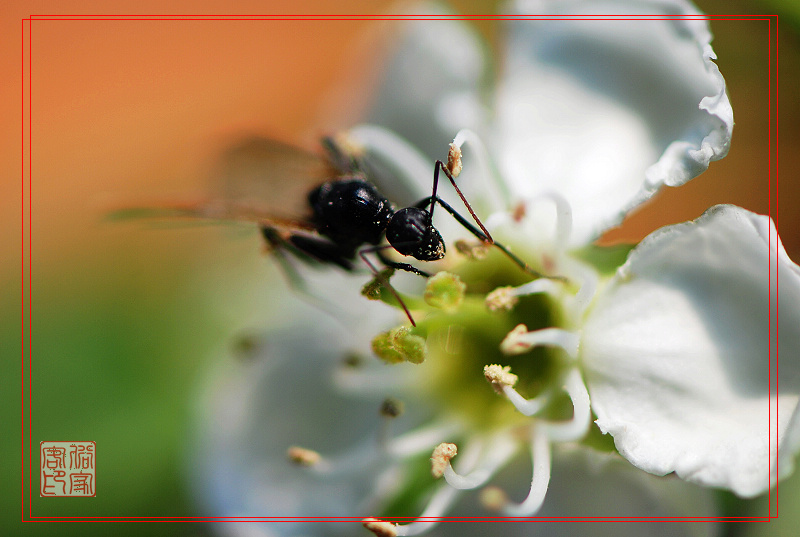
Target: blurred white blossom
column 659, row 358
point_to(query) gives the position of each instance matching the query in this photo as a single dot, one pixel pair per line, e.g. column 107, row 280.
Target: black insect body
column 351, row 213
column 348, row 215
column 410, row 232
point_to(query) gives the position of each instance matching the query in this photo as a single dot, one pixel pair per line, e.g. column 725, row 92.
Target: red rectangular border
column 26, row 149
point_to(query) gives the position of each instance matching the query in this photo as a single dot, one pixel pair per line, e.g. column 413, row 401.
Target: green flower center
column 462, row 339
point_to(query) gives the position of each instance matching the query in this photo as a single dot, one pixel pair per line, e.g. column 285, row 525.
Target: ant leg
column 280, row 247
column 384, row 281
column 483, row 236
column 400, row 266
column 460, row 219
column 309, row 250
column 322, row 250
column 487, row 237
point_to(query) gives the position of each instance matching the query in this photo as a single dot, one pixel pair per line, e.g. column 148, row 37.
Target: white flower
column 674, row 352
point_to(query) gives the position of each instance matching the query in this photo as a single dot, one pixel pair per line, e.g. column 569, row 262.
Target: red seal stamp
column 68, row 469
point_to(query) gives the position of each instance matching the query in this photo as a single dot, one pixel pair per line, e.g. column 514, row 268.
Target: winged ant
column 348, row 215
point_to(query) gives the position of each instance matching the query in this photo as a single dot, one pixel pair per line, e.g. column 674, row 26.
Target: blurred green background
column 127, row 321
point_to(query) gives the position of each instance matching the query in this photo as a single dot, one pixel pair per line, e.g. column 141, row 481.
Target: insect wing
column 270, row 178
column 258, row 180
column 209, row 210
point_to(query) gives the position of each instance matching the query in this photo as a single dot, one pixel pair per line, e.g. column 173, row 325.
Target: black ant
column 349, row 216
column 349, row 212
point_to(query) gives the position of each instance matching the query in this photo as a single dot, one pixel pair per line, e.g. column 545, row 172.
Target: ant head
column 411, row 232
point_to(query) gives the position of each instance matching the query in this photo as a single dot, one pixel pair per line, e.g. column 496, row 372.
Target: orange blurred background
column 132, row 107
column 141, row 106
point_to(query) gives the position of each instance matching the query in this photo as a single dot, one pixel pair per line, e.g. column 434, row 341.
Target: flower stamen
column 577, row 427
column 421, row 440
column 400, row 345
column 495, row 187
column 527, row 407
column 381, row 528
column 303, row 456
column 563, row 223
column 540, row 455
column 390, row 409
column 438, row 505
column 454, row 160
column 498, row 453
column 472, row 250
column 444, row 291
column 589, row 281
column 440, row 459
column 493, row 498
column 563, row 218
column 505, row 298
column 499, row 377
column 520, row 340
column 343, row 463
column 501, row 299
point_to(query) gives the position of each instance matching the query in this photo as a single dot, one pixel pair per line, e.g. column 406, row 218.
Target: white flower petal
column 287, row 395
column 395, row 166
column 429, row 87
column 585, row 483
column 606, row 112
column 679, row 358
